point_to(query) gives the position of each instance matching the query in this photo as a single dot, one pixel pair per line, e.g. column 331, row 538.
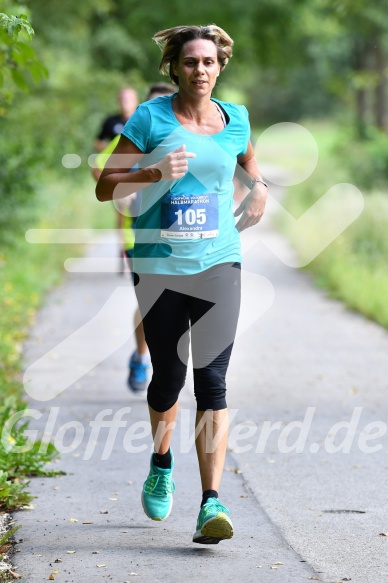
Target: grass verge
column 353, row 268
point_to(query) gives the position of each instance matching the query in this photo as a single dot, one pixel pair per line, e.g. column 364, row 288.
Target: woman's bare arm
column 117, row 172
column 252, row 207
column 116, row 180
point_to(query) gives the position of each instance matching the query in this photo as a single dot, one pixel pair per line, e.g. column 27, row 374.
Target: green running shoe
column 158, row 489
column 213, row 523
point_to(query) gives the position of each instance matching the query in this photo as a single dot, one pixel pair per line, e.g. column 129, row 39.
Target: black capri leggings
column 204, row 306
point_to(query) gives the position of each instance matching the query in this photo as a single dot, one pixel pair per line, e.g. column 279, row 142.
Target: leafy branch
column 14, row 25
column 17, row 57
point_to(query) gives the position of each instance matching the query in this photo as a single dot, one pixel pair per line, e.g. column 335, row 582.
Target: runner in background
column 128, row 208
column 110, row 129
column 112, row 126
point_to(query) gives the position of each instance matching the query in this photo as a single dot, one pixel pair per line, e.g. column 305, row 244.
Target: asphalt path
column 306, row 469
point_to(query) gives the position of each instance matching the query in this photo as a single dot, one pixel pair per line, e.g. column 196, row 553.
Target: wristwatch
column 254, row 180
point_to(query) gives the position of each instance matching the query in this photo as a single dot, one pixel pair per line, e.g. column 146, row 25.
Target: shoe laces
column 159, row 484
column 138, row 368
column 214, row 504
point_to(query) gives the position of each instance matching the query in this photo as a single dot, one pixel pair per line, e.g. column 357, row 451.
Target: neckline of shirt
column 194, row 133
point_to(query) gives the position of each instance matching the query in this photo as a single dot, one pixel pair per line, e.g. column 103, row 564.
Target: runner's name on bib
column 190, row 216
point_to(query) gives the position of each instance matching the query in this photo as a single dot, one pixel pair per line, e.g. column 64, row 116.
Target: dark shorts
column 203, row 309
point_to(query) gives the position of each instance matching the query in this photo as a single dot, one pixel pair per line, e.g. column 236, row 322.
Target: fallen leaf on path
column 95, row 552
column 70, row 552
column 272, row 567
column 103, row 565
column 55, row 572
column 4, row 549
column 87, row 522
column 383, row 534
column 51, row 578
column 104, row 512
column 235, row 470
column 114, row 499
column 315, row 578
column 134, row 574
column 73, row 519
column 58, row 561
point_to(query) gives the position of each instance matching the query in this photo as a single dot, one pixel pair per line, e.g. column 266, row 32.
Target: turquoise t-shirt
column 204, row 232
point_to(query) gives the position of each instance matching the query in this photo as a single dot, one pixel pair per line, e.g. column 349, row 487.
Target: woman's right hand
column 175, row 164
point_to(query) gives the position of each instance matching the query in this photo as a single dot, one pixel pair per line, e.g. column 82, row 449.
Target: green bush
column 19, row 163
column 19, row 458
column 353, row 268
column 366, row 161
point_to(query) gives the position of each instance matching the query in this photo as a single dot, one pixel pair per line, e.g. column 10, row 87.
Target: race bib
column 190, row 216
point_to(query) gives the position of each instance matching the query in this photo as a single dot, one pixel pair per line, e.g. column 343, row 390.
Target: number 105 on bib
column 189, row 216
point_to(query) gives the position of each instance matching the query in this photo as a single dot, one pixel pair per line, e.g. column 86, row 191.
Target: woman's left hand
column 252, row 208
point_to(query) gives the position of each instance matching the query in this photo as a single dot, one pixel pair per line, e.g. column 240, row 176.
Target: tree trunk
column 360, row 64
column 380, row 105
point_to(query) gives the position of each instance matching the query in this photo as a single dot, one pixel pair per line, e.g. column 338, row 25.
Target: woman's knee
column 165, row 386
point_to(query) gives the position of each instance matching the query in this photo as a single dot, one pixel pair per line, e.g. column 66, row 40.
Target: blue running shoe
column 213, row 523
column 137, row 379
column 158, row 489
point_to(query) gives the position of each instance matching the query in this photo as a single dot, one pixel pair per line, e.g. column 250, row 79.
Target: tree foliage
column 292, row 58
column 349, row 38
column 18, row 61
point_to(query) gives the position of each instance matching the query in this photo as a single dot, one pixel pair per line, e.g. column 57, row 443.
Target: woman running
column 187, row 253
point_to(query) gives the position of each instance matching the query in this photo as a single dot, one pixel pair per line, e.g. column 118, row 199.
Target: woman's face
column 197, row 67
